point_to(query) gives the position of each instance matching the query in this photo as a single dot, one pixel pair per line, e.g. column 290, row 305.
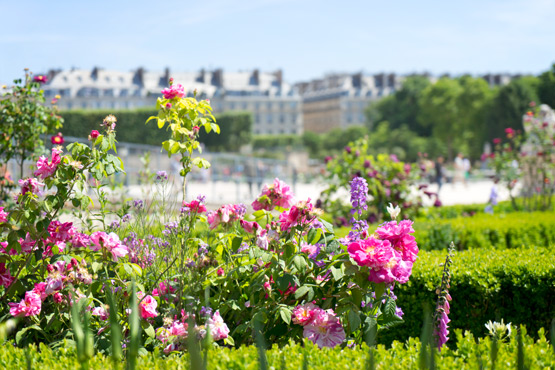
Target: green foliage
column 235, row 127
column 402, row 108
column 236, row 131
column 514, row 284
column 500, row 231
column 472, row 353
column 508, row 106
column 389, row 181
column 23, row 118
column 546, row 87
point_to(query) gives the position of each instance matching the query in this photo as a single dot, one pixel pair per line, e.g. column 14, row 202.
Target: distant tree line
column 235, row 127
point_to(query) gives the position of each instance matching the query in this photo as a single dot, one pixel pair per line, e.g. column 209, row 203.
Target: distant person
column 466, row 168
column 493, row 197
column 249, row 174
column 459, row 168
column 439, row 175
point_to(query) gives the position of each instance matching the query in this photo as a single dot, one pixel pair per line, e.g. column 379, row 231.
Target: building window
column 269, row 118
column 281, row 118
column 231, row 105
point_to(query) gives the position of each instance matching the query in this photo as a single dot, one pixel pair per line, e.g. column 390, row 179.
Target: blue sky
column 305, row 38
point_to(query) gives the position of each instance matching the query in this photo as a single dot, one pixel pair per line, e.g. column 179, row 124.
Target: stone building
column 275, row 105
column 339, row 100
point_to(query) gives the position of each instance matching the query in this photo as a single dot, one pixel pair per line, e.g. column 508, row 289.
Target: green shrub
column 510, row 230
column 517, row 285
column 472, row 353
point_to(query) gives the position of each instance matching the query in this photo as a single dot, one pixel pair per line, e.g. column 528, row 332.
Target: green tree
column 546, row 87
column 402, row 107
column 439, row 110
column 473, row 101
column 509, row 104
column 23, row 118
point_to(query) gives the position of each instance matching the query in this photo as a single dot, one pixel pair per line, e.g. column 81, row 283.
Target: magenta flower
column 226, row 214
column 371, row 252
column 30, row 185
column 278, row 194
column 29, row 306
column 249, row 227
column 100, row 312
column 110, row 242
column 325, row 330
column 47, row 168
column 57, row 139
column 305, row 314
column 147, row 307
column 94, row 134
column 195, row 206
column 40, row 79
column 399, row 237
column 173, row 92
column 217, row 326
column 6, row 279
column 3, row 215
column 441, row 331
column 178, row 329
column 60, row 231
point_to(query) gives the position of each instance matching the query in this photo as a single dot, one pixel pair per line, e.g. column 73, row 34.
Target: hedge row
column 235, row 127
column 510, row 230
column 517, row 285
column 471, row 354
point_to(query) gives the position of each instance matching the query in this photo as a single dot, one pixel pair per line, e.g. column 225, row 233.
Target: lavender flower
column 205, row 311
column 114, row 225
column 139, row 204
column 161, row 176
column 126, row 217
column 203, row 249
column 359, row 191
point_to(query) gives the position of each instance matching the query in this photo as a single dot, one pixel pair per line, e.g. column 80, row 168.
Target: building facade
column 339, row 100
column 275, row 105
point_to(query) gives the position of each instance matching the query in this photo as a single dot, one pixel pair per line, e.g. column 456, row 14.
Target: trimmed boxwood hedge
column 510, row 230
column 517, row 285
column 471, row 353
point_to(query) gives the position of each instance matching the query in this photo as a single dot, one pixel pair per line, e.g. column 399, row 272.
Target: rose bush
column 199, row 274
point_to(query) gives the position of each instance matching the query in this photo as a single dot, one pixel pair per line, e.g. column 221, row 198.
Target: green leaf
column 285, row 314
column 338, row 272
column 299, row 293
column 354, row 320
column 300, row 263
column 20, row 333
column 327, row 225
column 150, row 331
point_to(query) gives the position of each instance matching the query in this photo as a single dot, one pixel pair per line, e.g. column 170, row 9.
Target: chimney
column 255, row 77
column 357, row 80
column 202, row 76
column 279, row 77
column 138, row 78
column 218, row 78
column 94, row 73
column 52, row 73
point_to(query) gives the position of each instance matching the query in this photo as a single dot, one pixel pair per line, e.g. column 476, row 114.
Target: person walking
column 439, row 175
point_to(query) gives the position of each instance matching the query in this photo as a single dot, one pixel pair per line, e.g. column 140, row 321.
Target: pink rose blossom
column 3, row 215
column 278, row 194
column 249, row 226
column 147, row 307
column 30, row 185
column 47, row 168
column 399, row 237
column 6, row 279
column 371, row 252
column 178, row 329
column 195, row 206
column 226, row 214
column 29, row 306
column 100, row 312
column 4, row 247
column 110, row 242
column 173, row 92
column 217, row 326
column 305, row 314
column 325, row 330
